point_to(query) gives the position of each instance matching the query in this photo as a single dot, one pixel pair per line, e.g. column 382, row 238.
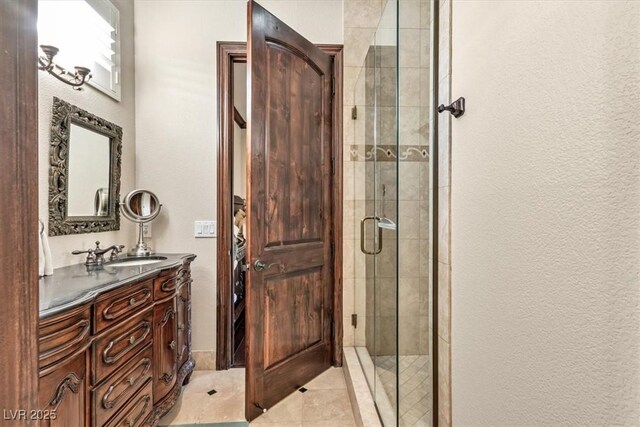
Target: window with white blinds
column 87, row 34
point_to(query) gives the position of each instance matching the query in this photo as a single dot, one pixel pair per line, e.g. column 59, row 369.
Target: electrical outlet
column 206, row 229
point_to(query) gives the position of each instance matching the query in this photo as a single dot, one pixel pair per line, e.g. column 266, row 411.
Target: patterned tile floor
column 325, row 403
column 415, row 387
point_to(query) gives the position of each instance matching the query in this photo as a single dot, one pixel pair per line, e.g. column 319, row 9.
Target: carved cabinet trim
column 70, row 382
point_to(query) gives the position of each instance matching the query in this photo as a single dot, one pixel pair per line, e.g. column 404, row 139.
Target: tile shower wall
column 413, row 180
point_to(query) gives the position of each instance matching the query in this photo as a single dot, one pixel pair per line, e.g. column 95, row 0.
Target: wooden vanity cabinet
column 120, row 360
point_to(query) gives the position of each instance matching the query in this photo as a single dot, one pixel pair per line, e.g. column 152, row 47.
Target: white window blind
column 87, row 34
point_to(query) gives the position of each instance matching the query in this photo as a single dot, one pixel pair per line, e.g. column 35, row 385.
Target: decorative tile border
column 388, row 153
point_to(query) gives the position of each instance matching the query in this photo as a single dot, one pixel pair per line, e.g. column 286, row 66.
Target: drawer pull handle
column 127, row 377
column 133, row 341
column 168, row 285
column 125, row 305
column 167, row 377
column 145, row 401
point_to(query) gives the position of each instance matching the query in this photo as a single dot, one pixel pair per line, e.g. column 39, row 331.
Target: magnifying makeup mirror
column 140, row 206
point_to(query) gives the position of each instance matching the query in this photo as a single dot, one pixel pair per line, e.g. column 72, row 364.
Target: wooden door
column 289, row 288
column 19, row 207
column 165, row 348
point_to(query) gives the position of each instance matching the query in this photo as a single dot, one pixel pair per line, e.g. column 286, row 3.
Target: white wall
column 121, row 113
column 176, row 119
column 546, row 213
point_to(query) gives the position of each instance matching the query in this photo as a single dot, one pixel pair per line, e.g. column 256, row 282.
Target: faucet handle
column 115, row 251
column 91, row 256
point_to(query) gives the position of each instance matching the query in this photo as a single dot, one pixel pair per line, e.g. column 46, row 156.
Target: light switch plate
column 204, row 229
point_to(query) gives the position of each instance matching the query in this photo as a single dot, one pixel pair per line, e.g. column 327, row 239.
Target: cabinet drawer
column 165, row 285
column 113, row 348
column 116, row 390
column 63, row 335
column 136, row 410
column 121, row 304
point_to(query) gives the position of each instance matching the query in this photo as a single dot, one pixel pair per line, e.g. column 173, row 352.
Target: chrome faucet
column 95, row 256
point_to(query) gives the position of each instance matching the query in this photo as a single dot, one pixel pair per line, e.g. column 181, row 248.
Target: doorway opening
column 233, row 165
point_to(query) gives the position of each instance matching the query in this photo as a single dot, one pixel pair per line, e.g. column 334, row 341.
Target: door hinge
column 333, row 329
column 354, row 320
column 333, row 86
column 333, row 249
column 333, row 166
column 354, row 113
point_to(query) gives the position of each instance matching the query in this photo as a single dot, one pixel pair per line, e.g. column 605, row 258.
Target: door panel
column 165, row 348
column 63, row 392
column 286, row 301
column 289, row 294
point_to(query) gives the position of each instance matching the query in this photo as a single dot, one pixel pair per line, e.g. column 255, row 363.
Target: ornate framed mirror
column 84, row 172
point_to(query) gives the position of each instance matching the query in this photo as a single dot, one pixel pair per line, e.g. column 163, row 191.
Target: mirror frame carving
column 60, row 224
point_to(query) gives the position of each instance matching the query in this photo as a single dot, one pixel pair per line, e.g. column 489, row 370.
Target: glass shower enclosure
column 392, row 167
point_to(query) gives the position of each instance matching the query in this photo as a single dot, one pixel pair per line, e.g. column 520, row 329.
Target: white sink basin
column 132, row 262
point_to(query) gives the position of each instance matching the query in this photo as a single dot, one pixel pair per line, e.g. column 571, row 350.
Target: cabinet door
column 63, row 394
column 184, row 322
column 165, row 348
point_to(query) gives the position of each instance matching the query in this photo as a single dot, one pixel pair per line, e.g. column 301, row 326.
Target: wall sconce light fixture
column 75, row 80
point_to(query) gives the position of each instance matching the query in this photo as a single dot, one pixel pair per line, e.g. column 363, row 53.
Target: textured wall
column 176, row 119
column 545, row 217
column 121, row 113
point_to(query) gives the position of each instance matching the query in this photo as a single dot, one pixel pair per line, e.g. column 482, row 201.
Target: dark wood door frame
column 229, row 53
column 19, row 208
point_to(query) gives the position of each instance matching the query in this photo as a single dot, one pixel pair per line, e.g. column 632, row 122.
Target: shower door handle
column 362, row 245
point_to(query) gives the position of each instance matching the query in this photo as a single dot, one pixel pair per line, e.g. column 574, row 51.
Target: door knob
column 261, row 266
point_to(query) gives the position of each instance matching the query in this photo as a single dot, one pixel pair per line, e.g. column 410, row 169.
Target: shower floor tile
column 415, row 387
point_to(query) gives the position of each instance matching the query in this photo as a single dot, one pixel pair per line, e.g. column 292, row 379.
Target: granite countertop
column 76, row 285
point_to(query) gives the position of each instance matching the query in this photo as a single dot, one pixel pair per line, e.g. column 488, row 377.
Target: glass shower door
column 391, row 155
column 378, row 98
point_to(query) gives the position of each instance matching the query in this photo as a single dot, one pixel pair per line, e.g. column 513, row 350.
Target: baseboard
column 205, row 360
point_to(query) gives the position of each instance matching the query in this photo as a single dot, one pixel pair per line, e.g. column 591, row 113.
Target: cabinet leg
column 187, row 379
